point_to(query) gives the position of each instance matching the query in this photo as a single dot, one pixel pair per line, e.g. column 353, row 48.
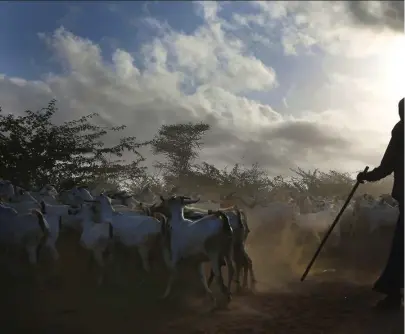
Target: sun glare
column 391, row 67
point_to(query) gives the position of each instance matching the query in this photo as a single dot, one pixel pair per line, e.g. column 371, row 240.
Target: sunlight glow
column 391, row 67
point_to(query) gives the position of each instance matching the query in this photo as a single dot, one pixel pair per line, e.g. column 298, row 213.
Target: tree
column 179, row 144
column 34, row 151
column 334, row 183
column 146, row 188
column 240, row 180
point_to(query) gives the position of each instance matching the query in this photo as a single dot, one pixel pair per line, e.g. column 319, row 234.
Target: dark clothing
column 392, row 161
column 392, row 279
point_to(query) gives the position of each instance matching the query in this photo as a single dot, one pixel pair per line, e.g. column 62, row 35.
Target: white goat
column 387, row 198
column 141, row 232
column 238, row 222
column 23, row 201
column 206, row 238
column 75, row 196
column 54, row 215
column 279, row 215
column 78, row 195
column 95, row 237
column 122, row 198
column 7, row 210
column 318, row 223
column 6, row 189
column 374, row 215
column 127, row 211
column 47, row 193
column 30, row 230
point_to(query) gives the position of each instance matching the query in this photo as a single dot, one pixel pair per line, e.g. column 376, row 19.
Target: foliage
column 180, row 145
column 146, row 187
column 254, row 182
column 249, row 180
column 324, row 184
column 34, row 151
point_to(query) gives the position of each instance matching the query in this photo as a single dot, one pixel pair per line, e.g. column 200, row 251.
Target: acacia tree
column 179, row 144
column 146, row 188
column 318, row 183
column 240, row 180
column 34, row 151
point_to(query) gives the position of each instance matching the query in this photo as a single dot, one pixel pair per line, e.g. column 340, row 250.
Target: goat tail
column 147, row 211
column 165, row 231
column 226, row 226
column 43, row 224
column 160, row 217
column 110, row 231
column 243, row 223
column 165, row 222
column 240, row 219
column 43, row 207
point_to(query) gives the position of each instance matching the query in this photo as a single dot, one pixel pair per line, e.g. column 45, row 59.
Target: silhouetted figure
column 391, row 280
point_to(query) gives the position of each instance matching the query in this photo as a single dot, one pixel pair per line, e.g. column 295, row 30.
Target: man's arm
column 388, row 161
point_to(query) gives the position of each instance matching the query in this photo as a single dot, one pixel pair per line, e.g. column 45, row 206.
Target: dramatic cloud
column 379, row 14
column 212, row 75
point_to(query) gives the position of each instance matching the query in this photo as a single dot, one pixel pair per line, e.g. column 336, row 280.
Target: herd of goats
column 178, row 226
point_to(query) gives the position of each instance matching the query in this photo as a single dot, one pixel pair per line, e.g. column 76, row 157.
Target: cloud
column 378, row 14
column 208, row 76
column 331, row 26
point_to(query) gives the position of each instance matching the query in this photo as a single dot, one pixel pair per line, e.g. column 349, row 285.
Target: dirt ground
column 330, row 301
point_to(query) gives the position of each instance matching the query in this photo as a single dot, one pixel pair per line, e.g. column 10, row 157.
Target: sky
column 286, row 84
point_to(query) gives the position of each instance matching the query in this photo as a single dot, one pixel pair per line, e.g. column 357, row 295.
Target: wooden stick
column 331, row 228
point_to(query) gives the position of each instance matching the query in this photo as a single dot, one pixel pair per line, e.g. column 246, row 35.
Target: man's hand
column 361, row 177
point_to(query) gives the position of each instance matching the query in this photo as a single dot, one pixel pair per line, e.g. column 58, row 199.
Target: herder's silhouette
column 391, row 280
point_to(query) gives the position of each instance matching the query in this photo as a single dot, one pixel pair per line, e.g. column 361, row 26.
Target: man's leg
column 391, row 280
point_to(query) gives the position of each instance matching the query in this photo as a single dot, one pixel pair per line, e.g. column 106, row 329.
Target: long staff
column 331, row 228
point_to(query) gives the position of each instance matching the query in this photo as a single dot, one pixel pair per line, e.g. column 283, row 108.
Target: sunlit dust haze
column 283, row 83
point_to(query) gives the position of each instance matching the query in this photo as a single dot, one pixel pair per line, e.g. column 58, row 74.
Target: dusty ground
column 330, row 302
